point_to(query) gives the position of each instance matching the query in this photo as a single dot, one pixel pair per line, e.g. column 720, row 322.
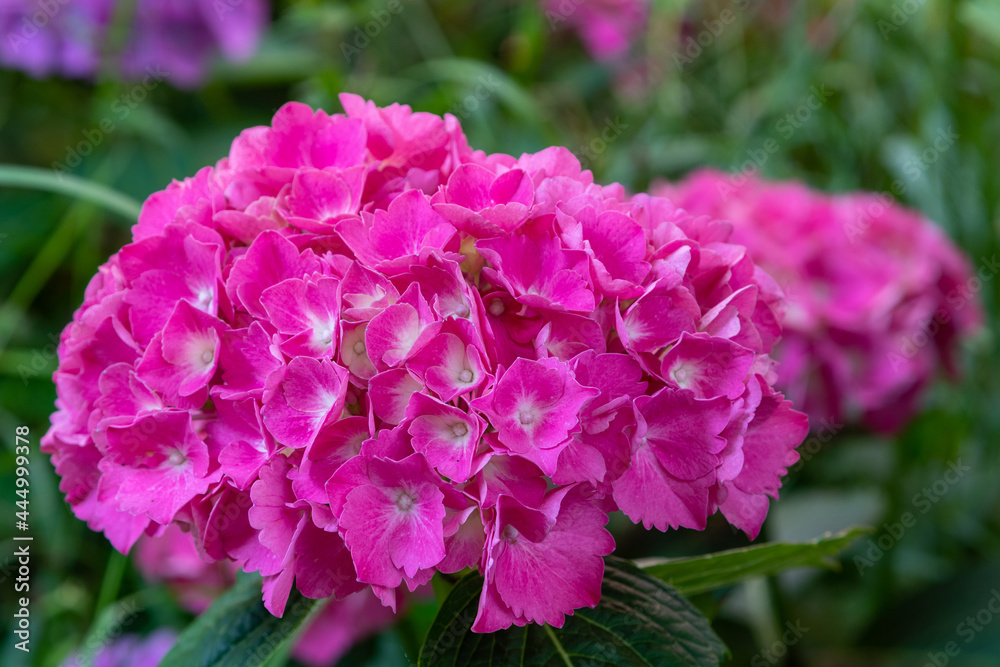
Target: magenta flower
column 309, row 397
column 155, row 466
column 355, row 353
column 165, row 40
column 556, row 548
column 392, row 519
column 447, row 436
column 876, row 295
column 533, row 406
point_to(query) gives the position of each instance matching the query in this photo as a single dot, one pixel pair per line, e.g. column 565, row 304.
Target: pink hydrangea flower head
column 355, row 353
column 876, row 295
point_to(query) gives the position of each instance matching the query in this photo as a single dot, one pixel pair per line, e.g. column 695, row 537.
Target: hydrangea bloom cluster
column 172, row 38
column 357, row 352
column 606, row 27
column 876, row 294
column 172, row 559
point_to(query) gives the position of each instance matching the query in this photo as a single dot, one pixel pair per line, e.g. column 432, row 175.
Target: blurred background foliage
column 887, row 79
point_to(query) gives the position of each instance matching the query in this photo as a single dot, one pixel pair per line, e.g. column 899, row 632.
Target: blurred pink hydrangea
column 164, row 38
column 356, row 352
column 606, row 27
column 171, row 558
column 876, row 295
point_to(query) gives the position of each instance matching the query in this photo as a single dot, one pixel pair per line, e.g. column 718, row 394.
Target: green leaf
column 705, row 573
column 74, row 186
column 982, row 17
column 639, row 621
column 485, row 78
column 237, row 630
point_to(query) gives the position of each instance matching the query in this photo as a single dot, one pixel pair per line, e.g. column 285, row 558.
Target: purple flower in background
column 172, row 39
column 606, row 27
column 130, row 651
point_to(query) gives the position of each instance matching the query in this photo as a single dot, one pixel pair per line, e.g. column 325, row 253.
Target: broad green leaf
column 67, row 184
column 237, row 630
column 698, row 574
column 639, row 621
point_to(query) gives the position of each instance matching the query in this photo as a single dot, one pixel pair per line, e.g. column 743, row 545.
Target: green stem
column 112, row 582
column 427, row 34
column 45, row 263
column 52, row 254
column 559, row 647
column 74, row 186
